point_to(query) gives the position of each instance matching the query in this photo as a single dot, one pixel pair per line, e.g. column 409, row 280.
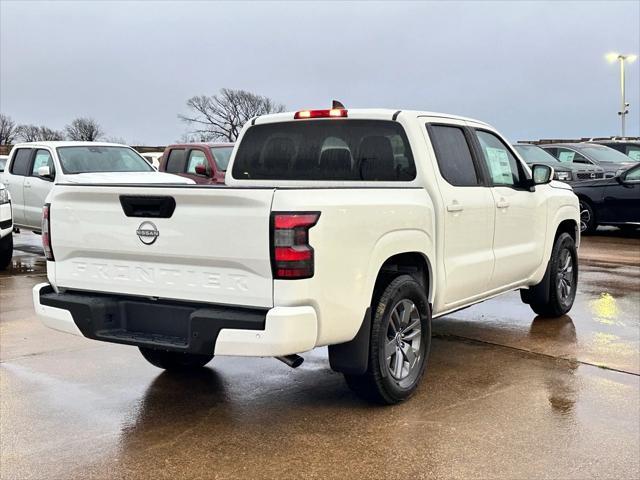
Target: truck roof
column 370, row 113
column 201, row 144
column 66, row 143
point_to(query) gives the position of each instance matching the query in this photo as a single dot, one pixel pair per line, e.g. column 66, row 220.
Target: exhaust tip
column 294, row 361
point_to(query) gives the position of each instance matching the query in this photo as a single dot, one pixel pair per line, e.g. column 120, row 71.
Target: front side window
column 43, row 159
column 356, row 150
column 222, row 156
column 20, row 165
column 196, row 157
column 453, row 155
column 633, row 152
column 503, row 166
column 633, row 175
column 92, row 159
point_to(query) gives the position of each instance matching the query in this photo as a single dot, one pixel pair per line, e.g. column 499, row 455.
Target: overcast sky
column 531, row 69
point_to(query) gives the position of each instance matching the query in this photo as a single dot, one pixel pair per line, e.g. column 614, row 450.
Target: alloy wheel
column 565, row 277
column 403, row 354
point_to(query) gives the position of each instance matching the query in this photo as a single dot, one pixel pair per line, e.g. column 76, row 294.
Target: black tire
column 554, row 296
column 6, row 251
column 588, row 221
column 379, row 383
column 174, row 360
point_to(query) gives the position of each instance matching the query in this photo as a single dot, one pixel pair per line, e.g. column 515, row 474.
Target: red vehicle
column 204, row 163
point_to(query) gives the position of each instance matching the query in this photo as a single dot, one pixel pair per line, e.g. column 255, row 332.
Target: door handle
column 502, row 203
column 454, row 207
column 27, row 185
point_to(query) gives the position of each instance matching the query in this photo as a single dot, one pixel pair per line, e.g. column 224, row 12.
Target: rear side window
column 356, row 150
column 175, row 162
column 453, row 155
column 20, row 165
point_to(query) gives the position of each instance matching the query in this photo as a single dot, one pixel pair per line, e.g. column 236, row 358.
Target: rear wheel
column 587, row 218
column 174, row 360
column 399, row 345
column 554, row 296
column 6, row 251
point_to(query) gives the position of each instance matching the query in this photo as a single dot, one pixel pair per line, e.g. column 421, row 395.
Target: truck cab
column 204, row 163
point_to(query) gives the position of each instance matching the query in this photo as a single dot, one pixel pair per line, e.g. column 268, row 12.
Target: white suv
column 346, row 228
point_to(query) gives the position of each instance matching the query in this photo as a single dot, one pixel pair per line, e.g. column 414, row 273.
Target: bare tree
column 84, row 129
column 47, row 133
column 34, row 133
column 195, row 137
column 8, row 130
column 222, row 116
column 28, row 133
column 115, row 139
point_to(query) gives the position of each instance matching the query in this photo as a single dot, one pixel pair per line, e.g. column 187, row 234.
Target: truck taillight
column 291, row 254
column 46, row 232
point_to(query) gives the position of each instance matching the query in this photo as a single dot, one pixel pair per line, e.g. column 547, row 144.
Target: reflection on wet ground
column 507, row 395
column 27, row 255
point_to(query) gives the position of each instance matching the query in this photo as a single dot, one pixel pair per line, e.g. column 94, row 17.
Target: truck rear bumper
column 178, row 326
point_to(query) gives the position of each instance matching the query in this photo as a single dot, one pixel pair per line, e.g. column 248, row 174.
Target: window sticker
column 499, row 165
column 566, row 157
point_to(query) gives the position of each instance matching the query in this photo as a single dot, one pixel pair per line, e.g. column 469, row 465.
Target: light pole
column 624, row 110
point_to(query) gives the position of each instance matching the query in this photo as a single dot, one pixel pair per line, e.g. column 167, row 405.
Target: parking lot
column 507, row 395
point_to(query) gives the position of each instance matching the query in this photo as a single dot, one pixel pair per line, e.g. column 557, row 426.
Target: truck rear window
column 325, row 150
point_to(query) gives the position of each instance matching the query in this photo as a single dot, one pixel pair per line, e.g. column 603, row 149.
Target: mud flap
column 538, row 293
column 353, row 357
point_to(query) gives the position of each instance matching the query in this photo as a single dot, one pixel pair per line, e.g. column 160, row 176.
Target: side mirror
column 201, row 169
column 542, row 174
column 45, row 173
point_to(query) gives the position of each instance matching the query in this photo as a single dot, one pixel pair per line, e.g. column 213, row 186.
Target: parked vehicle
column 3, row 162
column 631, row 148
column 34, row 167
column 204, row 163
column 347, row 228
column 610, row 160
column 153, row 158
column 610, row 201
column 6, row 228
column 565, row 172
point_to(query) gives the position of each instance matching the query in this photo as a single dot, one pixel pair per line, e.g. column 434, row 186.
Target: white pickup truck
column 34, row 167
column 346, row 228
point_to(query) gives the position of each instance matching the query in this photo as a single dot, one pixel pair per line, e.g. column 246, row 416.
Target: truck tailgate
column 214, row 247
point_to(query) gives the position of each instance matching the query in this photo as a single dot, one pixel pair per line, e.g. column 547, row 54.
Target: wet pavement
column 507, row 395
